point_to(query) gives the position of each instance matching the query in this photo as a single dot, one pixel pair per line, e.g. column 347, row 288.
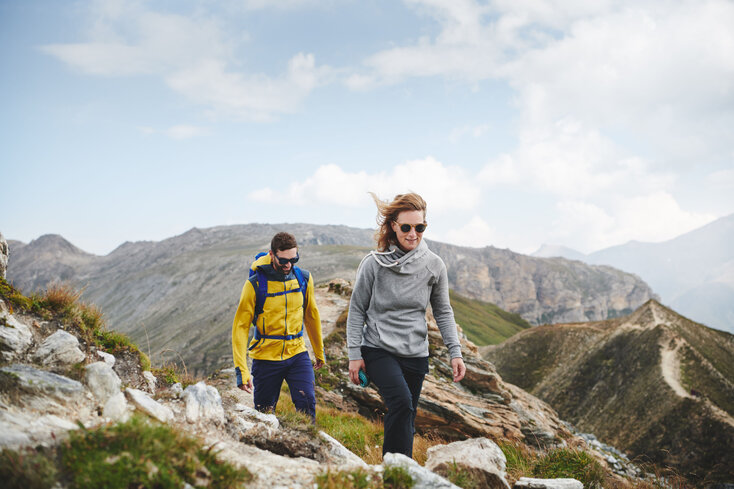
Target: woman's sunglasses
column 284, row 261
column 419, row 228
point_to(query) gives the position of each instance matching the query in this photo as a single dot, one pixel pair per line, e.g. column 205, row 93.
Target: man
column 278, row 351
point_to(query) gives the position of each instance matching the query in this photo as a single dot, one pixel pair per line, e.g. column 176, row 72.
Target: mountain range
column 693, row 273
column 654, row 384
column 178, row 296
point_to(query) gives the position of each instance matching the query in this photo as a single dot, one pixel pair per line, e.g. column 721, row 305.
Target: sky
column 521, row 122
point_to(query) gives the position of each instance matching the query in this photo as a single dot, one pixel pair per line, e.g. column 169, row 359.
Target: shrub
column 564, row 462
column 397, row 478
column 142, row 453
column 26, row 470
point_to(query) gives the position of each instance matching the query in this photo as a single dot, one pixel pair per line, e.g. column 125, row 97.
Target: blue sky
column 522, row 122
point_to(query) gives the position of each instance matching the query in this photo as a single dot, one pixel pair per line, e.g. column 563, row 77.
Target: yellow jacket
column 282, row 315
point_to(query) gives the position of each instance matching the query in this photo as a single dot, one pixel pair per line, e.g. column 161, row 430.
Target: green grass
column 139, row 453
column 26, row 469
column 483, row 322
column 555, row 463
column 392, row 478
column 143, row 453
column 61, row 302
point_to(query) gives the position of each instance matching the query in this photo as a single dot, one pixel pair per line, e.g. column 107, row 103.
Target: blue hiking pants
column 399, row 380
column 268, row 377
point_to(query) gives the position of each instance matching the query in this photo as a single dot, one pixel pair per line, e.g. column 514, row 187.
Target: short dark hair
column 283, row 241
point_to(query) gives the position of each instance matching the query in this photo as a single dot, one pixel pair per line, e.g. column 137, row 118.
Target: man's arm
column 312, row 320
column 240, row 329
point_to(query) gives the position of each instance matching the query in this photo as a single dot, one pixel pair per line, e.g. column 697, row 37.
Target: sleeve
column 240, row 330
column 444, row 314
column 358, row 305
column 312, row 320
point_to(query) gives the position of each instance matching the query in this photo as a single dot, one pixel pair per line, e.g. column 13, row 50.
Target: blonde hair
column 387, row 212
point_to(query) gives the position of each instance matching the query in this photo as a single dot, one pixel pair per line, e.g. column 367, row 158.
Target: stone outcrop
column 61, row 348
column 529, row 483
column 480, row 458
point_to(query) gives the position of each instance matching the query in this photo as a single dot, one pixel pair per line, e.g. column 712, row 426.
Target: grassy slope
column 483, row 322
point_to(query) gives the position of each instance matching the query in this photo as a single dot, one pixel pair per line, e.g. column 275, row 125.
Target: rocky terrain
column 55, row 379
column 653, row 384
column 178, row 296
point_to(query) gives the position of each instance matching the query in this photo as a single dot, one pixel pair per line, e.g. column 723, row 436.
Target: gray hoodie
column 389, row 301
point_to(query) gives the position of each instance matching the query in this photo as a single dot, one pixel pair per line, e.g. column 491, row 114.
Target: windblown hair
column 387, row 212
column 283, row 241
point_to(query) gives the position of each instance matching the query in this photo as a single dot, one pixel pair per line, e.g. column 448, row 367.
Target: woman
column 387, row 335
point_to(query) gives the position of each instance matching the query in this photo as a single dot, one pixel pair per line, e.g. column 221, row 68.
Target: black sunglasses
column 284, row 261
column 419, row 228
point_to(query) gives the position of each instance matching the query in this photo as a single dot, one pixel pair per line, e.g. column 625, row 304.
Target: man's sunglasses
column 419, row 228
column 284, row 261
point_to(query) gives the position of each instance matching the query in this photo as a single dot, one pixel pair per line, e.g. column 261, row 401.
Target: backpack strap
column 261, row 293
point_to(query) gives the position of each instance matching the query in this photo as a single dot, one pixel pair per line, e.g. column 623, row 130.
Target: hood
column 400, row 261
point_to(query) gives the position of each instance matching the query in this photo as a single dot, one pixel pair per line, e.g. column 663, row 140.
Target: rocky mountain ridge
column 654, row 384
column 179, row 294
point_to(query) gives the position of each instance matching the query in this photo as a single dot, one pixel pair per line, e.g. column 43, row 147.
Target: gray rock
column 203, row 402
column 150, row 380
column 4, row 252
column 339, row 454
column 529, row 483
column 422, row 477
column 269, row 419
column 177, row 390
column 149, row 405
column 116, row 407
column 15, row 337
column 40, row 382
column 107, row 358
column 61, row 348
column 481, row 458
column 102, row 381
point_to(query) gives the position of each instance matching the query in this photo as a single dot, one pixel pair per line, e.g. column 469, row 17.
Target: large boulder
column 480, row 458
column 422, row 477
column 15, row 337
column 203, row 402
column 61, row 348
column 148, row 405
column 102, row 381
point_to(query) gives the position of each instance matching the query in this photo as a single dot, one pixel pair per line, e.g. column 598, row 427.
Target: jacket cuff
column 355, row 353
column 455, row 351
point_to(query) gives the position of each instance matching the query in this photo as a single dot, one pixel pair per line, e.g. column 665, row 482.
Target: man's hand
column 247, row 387
column 354, row 367
column 457, row 364
column 319, row 363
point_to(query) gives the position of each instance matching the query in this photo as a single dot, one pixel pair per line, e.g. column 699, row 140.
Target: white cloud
column 569, row 159
column 475, row 233
column 429, row 177
column 194, row 56
column 652, row 218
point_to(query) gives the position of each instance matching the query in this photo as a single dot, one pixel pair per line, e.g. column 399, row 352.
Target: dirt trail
column 670, row 366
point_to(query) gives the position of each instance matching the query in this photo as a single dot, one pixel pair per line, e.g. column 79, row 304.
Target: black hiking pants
column 399, row 381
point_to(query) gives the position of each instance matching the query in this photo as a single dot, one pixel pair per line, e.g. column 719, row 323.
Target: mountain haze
column 693, row 273
column 654, row 384
column 178, row 296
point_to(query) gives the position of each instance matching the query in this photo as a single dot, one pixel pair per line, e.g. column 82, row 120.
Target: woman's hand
column 354, row 367
column 457, row 364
